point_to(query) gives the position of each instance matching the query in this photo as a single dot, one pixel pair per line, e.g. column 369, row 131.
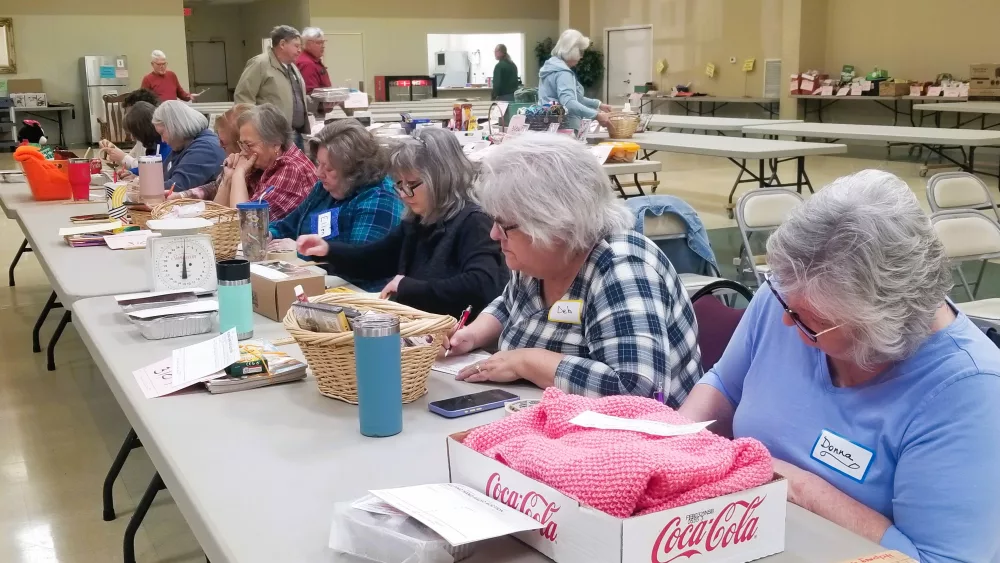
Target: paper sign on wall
column 748, row 65
column 710, row 70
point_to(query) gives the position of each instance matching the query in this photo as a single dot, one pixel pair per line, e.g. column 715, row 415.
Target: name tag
column 325, row 224
column 569, row 311
column 842, row 455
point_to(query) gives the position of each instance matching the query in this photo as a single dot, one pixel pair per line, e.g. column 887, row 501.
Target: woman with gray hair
column 558, row 83
column 442, row 255
column 592, row 307
column 195, row 155
column 875, row 395
column 268, row 166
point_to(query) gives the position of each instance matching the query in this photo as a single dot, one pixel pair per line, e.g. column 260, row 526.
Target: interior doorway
column 207, row 70
column 629, row 61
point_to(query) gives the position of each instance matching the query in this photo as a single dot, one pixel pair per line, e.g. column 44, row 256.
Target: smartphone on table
column 470, row 404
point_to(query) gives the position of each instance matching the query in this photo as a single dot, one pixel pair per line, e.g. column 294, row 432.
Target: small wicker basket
column 622, row 124
column 331, row 355
column 139, row 217
column 225, row 230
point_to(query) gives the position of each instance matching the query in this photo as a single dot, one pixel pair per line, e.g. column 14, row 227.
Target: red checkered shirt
column 293, row 177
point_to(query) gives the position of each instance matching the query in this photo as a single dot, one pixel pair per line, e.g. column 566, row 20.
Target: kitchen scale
column 182, row 257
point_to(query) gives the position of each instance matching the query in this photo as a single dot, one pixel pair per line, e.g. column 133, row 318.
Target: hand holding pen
column 459, row 327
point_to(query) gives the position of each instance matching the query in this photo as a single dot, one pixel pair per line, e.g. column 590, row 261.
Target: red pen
column 461, row 325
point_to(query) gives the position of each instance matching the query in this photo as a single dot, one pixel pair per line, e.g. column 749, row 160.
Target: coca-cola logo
column 531, row 503
column 733, row 525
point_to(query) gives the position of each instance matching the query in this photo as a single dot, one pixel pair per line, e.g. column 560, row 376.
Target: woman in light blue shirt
column 879, row 401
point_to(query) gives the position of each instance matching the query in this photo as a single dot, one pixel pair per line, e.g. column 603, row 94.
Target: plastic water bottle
column 378, row 362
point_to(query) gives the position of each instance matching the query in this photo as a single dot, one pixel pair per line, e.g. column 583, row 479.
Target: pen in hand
column 461, row 325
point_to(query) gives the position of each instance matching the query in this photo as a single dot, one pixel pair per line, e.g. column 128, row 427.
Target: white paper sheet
column 375, row 505
column 458, row 513
column 269, row 273
column 454, row 364
column 591, row 419
column 145, row 294
column 200, row 361
column 601, row 152
column 129, row 241
column 203, row 306
column 92, row 228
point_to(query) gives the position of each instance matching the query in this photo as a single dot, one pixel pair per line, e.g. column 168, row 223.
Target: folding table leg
column 618, row 186
column 66, row 318
column 17, row 258
column 36, row 345
column 128, row 545
column 131, row 442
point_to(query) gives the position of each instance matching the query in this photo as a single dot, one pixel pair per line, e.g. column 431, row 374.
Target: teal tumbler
column 378, row 363
column 235, row 297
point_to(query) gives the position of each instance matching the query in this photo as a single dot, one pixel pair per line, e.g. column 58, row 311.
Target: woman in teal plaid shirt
column 354, row 201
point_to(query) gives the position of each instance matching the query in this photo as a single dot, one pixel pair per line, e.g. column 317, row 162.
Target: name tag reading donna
column 568, row 311
column 842, row 455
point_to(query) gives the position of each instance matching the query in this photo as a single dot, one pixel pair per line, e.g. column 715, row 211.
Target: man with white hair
column 164, row 82
column 310, row 64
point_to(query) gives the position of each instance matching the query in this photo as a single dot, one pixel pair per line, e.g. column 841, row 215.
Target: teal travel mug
column 378, row 362
column 235, row 297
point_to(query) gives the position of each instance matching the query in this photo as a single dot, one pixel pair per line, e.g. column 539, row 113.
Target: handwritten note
column 188, row 366
column 131, row 240
column 591, row 419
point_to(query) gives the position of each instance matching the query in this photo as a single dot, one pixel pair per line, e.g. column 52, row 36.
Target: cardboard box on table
column 984, row 80
column 274, row 295
column 735, row 528
column 893, row 89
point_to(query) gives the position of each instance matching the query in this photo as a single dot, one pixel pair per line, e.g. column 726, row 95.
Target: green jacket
column 264, row 81
column 504, row 78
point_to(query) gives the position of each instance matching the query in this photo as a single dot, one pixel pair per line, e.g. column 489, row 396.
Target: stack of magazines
column 260, row 365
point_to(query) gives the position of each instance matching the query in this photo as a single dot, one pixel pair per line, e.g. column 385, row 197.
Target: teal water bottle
column 378, row 362
column 235, row 297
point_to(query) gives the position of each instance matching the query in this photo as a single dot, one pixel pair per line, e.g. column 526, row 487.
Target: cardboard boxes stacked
column 984, row 80
column 807, row 83
column 24, row 92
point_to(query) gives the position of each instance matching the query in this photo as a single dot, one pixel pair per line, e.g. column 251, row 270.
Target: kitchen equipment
column 454, row 67
column 100, row 75
column 181, row 257
column 404, row 88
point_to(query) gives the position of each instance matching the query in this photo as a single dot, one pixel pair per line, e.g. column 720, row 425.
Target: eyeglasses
column 405, row 189
column 246, row 146
column 811, row 334
column 504, row 229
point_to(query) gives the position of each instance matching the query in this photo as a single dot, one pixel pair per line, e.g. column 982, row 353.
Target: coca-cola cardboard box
column 735, row 528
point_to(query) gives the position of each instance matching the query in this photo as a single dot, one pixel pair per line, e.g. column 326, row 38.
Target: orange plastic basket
column 47, row 179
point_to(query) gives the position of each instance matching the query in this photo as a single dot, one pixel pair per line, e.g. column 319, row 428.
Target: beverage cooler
column 404, row 88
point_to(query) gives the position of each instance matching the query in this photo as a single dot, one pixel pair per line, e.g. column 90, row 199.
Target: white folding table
column 979, row 109
column 719, row 125
column 713, row 103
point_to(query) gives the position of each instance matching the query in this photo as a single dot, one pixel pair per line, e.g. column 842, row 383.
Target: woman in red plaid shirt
column 268, row 158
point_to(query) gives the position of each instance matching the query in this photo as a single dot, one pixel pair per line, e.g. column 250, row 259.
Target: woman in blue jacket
column 558, row 83
column 196, row 156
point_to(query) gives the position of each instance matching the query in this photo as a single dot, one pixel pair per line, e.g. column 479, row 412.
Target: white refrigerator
column 101, row 75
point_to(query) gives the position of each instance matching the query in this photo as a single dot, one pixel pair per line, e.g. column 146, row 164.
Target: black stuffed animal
column 32, row 132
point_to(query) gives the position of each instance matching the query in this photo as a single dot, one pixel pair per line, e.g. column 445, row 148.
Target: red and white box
column 735, row 528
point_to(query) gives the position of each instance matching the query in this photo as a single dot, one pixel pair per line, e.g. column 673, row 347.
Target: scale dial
column 183, row 262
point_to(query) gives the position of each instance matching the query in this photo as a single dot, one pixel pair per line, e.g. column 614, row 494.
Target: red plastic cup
column 79, row 178
column 95, row 166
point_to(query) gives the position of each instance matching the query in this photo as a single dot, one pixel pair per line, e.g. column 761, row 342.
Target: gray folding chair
column 761, row 211
column 970, row 235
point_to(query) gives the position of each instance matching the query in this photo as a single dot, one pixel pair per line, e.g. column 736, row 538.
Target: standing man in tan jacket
column 272, row 77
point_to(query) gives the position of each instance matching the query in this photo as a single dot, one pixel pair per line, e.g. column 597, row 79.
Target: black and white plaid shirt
column 637, row 333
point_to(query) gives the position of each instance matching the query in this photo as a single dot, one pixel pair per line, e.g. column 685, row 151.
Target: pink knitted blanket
column 621, row 472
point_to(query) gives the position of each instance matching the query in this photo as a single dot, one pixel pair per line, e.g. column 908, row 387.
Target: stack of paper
column 187, row 366
column 89, row 235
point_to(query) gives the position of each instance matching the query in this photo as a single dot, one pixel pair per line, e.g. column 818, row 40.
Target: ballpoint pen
column 461, row 325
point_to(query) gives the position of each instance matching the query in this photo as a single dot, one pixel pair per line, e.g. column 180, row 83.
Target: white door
column 629, row 55
column 345, row 60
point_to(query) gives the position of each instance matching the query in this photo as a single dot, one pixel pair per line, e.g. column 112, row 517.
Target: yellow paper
column 710, row 70
column 661, row 65
column 748, row 65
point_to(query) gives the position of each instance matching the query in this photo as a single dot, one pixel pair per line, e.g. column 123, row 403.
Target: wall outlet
column 732, row 60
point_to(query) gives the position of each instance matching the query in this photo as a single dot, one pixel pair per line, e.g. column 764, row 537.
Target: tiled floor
column 59, row 431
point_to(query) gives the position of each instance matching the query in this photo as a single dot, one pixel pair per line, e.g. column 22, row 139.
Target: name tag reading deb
column 842, row 455
column 325, row 224
column 569, row 311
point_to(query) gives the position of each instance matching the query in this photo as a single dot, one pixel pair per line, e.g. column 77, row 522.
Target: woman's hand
column 391, row 288
column 113, row 153
column 174, row 195
column 281, row 245
column 604, row 108
column 312, row 245
column 245, row 164
column 603, row 118
column 798, row 480
column 502, row 367
column 228, row 166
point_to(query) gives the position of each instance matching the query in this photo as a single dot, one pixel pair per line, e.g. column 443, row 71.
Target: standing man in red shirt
column 164, row 82
column 310, row 64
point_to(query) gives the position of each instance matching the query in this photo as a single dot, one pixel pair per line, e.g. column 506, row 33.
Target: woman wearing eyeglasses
column 269, row 165
column 876, row 397
column 592, row 307
column 442, row 256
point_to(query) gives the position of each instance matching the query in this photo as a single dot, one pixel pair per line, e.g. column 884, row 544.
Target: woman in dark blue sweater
column 442, row 255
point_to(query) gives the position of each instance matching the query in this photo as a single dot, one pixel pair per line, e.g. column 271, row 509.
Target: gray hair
column 353, row 151
column 180, row 120
column 553, row 189
column 311, row 33
column 437, row 157
column 158, row 54
column 283, row 33
column 571, row 45
column 270, row 123
column 862, row 253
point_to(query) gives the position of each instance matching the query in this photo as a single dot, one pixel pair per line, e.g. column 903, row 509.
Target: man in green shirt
column 505, row 80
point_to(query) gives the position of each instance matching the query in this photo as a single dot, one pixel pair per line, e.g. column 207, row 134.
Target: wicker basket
column 225, row 230
column 139, row 217
column 331, row 355
column 622, row 124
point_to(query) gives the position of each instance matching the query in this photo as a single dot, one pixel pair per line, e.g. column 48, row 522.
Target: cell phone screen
column 474, row 400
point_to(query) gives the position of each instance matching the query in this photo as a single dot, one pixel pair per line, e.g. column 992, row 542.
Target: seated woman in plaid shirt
column 354, row 201
column 269, row 165
column 592, row 307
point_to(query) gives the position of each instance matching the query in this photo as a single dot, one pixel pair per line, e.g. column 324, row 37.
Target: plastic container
column 254, row 219
column 622, row 151
column 176, row 326
column 378, row 361
column 151, row 179
column 79, row 178
column 48, row 180
column 235, row 298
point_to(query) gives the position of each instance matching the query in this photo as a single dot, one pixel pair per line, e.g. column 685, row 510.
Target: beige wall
column 689, row 34
column 50, row 37
column 220, row 23
column 258, row 18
